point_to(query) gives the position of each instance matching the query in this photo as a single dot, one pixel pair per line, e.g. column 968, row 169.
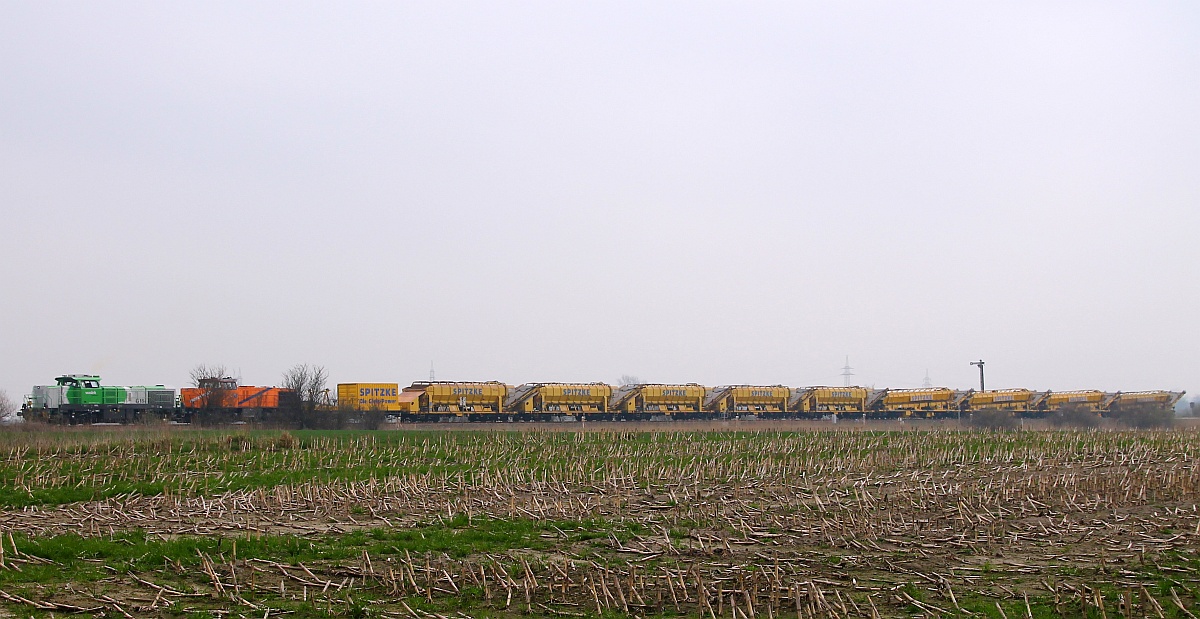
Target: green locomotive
column 79, row 398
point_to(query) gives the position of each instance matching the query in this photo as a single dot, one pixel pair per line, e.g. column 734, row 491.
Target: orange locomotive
column 225, row 394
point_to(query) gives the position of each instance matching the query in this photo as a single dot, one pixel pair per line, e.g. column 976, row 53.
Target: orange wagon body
column 238, row 397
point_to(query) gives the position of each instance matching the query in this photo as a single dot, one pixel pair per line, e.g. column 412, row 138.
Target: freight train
column 79, row 399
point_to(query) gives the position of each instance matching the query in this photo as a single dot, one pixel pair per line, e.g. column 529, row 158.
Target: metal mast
column 980, row 364
column 846, row 373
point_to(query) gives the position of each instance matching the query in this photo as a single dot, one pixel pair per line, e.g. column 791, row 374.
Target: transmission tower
column 846, row 372
column 928, row 384
column 431, row 379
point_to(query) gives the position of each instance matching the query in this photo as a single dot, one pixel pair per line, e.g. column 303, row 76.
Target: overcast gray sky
column 718, row 192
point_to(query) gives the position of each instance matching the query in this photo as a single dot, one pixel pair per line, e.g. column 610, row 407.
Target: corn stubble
column 746, row 525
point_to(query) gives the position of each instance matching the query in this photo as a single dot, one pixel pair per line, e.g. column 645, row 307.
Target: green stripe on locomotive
column 97, row 395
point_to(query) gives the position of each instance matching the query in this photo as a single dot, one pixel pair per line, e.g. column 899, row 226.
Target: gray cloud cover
column 711, row 192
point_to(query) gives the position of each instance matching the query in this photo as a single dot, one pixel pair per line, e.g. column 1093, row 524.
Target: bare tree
column 214, row 383
column 627, row 379
column 8, row 408
column 204, row 371
column 307, row 383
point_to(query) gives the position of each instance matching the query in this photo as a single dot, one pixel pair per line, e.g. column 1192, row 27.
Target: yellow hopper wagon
column 929, row 402
column 558, row 401
column 1126, row 400
column 653, row 400
column 814, row 402
column 453, row 401
column 1015, row 400
column 745, row 400
column 1086, row 399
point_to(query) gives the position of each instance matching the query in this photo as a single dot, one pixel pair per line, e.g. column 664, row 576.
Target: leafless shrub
column 629, row 379
column 8, row 408
column 309, row 395
column 992, row 419
column 286, row 441
column 237, row 442
column 1074, row 417
column 371, row 419
column 1144, row 416
column 349, row 415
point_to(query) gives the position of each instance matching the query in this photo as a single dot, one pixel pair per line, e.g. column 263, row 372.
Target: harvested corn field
column 738, row 525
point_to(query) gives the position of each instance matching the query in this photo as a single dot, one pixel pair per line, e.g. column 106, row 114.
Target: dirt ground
column 1024, row 526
